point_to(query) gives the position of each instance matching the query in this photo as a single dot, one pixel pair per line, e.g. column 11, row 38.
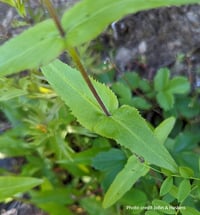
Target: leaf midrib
column 91, row 17
column 139, row 139
column 84, row 96
column 107, row 7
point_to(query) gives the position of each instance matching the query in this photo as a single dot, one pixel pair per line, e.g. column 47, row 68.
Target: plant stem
column 53, row 14
column 84, row 74
column 72, row 51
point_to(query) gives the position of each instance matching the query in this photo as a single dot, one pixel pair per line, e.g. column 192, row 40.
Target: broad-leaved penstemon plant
column 93, row 104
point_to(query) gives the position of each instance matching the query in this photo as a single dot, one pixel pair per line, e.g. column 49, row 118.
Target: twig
column 72, row 51
column 53, row 14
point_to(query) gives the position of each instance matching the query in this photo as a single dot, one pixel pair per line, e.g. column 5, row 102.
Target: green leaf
column 162, row 131
column 110, row 163
column 163, row 206
column 166, row 186
column 174, row 191
column 186, row 172
column 55, row 208
column 125, row 125
column 31, row 49
column 11, row 145
column 125, row 179
column 107, row 161
column 9, row 2
column 20, row 7
column 179, row 85
column 84, row 157
column 10, row 185
column 60, row 196
column 89, row 18
column 187, row 106
column 140, row 103
column 189, row 211
column 40, row 44
column 183, row 190
column 122, row 90
column 71, row 87
column 166, row 88
column 130, row 130
column 144, row 85
column 93, row 206
column 134, row 195
column 132, row 79
column 161, row 79
column 11, row 93
column 165, row 99
column 189, row 159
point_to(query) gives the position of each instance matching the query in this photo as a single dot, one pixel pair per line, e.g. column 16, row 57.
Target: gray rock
column 157, row 37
